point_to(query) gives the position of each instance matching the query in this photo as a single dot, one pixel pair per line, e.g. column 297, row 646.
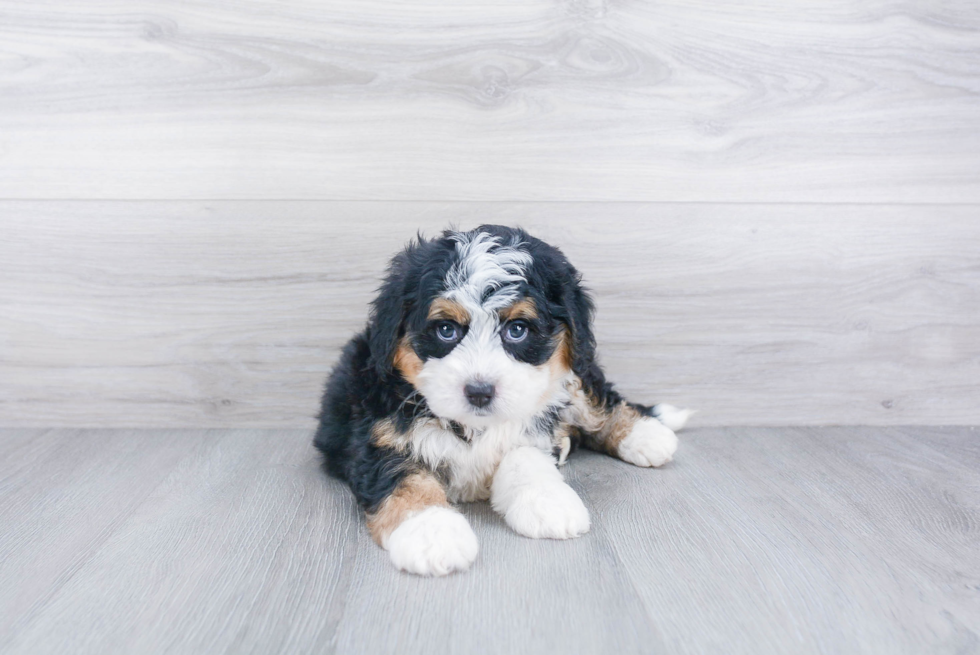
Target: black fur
column 356, row 397
column 415, row 276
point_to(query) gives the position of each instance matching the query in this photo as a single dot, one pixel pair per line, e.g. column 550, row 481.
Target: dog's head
column 487, row 325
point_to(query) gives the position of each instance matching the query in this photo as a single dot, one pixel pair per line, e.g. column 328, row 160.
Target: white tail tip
column 673, row 417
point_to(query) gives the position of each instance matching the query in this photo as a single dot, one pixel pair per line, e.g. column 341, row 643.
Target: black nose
column 479, row 393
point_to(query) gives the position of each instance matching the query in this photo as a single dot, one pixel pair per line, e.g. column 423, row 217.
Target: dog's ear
column 568, row 301
column 578, row 315
column 388, row 312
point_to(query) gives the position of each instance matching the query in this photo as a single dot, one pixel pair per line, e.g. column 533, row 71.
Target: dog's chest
column 469, row 464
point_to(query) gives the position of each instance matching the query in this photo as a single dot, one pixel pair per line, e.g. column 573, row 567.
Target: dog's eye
column 515, row 331
column 447, row 331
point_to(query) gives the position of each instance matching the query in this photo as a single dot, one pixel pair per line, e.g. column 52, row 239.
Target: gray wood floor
column 755, row 540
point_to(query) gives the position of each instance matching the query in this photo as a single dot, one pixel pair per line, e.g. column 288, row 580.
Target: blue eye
column 515, row 332
column 447, row 332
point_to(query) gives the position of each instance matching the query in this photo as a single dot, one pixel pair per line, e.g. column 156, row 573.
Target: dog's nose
column 479, row 393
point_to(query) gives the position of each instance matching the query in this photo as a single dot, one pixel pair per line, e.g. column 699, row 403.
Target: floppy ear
column 578, row 314
column 388, row 312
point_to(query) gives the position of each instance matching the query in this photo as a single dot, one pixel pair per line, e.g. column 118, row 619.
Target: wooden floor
column 755, row 540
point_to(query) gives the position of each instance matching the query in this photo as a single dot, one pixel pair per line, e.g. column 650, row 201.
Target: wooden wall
column 776, row 204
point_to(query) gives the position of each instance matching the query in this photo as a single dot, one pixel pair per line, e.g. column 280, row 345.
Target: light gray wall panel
column 231, row 313
column 758, row 100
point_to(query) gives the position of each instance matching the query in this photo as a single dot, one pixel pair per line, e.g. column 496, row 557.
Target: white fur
column 479, row 270
column 566, row 448
column 520, row 389
column 650, row 443
column 529, row 492
column 436, row 541
column 673, row 417
column 471, row 465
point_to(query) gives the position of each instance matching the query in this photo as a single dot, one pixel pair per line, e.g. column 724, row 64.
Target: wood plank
column 63, row 493
column 754, row 540
column 245, row 533
column 804, row 540
column 231, row 313
column 757, row 100
column 521, row 596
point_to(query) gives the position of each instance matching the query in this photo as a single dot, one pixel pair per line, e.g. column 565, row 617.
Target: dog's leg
column 637, row 434
column 637, row 439
column 419, row 529
column 529, row 492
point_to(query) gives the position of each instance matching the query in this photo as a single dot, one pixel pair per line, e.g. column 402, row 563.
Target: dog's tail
column 673, row 417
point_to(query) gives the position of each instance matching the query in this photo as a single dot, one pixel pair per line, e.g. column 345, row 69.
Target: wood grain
column 754, row 540
column 755, row 100
column 821, row 532
column 65, row 492
column 231, row 313
column 246, row 530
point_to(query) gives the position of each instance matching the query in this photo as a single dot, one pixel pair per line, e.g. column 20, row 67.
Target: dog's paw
column 436, row 541
column 552, row 511
column 650, row 443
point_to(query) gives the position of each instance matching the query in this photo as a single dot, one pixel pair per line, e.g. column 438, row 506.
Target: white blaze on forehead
column 485, row 278
column 488, row 272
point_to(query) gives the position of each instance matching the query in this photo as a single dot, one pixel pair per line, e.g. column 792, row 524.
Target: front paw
column 650, row 443
column 437, row 541
column 552, row 511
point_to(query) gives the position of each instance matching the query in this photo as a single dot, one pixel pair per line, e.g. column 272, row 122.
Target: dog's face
column 486, row 325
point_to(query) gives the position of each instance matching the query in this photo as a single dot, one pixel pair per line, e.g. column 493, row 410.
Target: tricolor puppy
column 475, row 377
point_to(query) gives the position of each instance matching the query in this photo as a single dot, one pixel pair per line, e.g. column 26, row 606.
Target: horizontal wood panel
column 231, row 313
column 758, row 100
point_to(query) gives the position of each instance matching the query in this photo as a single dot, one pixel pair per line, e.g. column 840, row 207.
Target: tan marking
column 561, row 359
column 406, row 361
column 521, row 309
column 603, row 428
column 443, row 308
column 582, row 411
column 559, row 365
column 383, row 434
column 414, row 493
column 562, row 439
column 619, row 423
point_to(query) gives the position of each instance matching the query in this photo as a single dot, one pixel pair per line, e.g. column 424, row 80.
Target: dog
column 474, row 379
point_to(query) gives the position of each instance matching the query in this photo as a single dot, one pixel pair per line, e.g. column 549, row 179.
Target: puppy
column 474, row 379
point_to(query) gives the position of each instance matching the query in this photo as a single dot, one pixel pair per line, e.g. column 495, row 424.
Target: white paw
column 551, row 511
column 651, row 443
column 436, row 541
